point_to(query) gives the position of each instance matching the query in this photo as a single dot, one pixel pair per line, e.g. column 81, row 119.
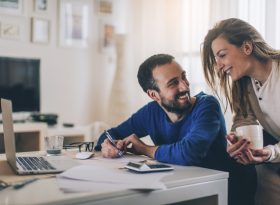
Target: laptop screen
column 9, row 136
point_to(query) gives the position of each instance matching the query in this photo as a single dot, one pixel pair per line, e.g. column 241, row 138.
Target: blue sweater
column 198, row 139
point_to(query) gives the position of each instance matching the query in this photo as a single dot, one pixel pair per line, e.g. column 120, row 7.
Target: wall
column 66, row 73
column 81, row 84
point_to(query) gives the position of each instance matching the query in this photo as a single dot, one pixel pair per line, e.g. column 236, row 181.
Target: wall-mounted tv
column 20, row 82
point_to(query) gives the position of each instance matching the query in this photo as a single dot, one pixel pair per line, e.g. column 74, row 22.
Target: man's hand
column 138, row 147
column 109, row 151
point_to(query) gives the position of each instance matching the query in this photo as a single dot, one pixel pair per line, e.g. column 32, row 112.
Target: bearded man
column 185, row 130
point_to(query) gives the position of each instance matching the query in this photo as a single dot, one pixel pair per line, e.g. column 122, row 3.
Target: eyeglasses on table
column 83, row 146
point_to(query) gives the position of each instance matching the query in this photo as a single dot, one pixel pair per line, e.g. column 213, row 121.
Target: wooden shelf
column 28, row 136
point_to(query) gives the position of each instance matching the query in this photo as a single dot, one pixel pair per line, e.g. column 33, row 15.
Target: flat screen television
column 20, row 82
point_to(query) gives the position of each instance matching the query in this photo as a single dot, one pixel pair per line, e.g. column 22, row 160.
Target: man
column 185, row 130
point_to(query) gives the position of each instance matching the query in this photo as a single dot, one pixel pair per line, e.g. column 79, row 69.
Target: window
column 200, row 15
column 195, row 24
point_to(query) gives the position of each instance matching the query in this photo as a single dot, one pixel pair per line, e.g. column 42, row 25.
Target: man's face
column 174, row 94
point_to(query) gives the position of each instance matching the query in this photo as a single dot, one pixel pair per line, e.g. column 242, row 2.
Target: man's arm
column 134, row 125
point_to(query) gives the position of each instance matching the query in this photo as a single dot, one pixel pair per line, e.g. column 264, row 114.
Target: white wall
column 152, row 27
column 67, row 74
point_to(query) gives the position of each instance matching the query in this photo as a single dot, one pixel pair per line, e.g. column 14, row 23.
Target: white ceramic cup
column 54, row 144
column 252, row 133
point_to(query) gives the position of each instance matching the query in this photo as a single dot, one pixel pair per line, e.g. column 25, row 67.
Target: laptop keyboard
column 34, row 163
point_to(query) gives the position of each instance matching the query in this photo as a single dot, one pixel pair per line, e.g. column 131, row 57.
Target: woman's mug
column 253, row 133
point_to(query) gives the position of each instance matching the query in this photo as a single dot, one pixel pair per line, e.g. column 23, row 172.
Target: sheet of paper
column 115, row 176
column 124, row 159
column 72, row 185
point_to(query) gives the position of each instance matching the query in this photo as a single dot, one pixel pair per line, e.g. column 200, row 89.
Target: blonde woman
column 237, row 60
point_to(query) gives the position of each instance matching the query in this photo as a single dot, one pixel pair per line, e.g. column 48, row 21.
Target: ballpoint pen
column 23, row 183
column 16, row 185
column 120, row 153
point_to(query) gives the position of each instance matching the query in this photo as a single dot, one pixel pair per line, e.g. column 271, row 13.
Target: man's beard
column 174, row 106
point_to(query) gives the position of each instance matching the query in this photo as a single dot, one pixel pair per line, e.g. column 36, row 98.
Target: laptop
column 24, row 164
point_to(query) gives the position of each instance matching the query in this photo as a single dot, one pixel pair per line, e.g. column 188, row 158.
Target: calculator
column 145, row 167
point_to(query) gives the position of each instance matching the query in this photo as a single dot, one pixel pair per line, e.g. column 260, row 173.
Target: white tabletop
column 184, row 183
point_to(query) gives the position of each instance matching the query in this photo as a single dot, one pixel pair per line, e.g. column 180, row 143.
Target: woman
column 235, row 49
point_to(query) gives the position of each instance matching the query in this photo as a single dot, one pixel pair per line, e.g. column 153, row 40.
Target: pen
column 120, row 153
column 22, row 184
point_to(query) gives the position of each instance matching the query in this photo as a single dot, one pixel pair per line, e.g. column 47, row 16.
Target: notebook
column 28, row 164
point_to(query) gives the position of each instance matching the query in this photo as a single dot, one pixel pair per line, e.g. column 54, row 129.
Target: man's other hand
column 134, row 145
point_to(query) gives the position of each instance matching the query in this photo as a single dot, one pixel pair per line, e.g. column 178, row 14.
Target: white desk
column 184, row 184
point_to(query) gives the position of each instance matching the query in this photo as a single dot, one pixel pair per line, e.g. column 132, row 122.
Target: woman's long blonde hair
column 236, row 32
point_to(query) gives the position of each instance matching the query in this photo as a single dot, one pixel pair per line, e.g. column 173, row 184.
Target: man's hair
column 145, row 71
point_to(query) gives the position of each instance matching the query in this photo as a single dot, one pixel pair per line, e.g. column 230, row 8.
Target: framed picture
column 105, row 6
column 106, row 36
column 40, row 5
column 11, row 30
column 11, row 6
column 40, row 30
column 73, row 22
column 108, row 31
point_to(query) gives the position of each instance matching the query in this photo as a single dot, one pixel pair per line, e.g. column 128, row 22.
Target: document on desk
column 123, row 160
column 84, row 177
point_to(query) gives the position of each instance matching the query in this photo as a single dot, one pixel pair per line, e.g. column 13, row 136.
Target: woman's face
column 230, row 59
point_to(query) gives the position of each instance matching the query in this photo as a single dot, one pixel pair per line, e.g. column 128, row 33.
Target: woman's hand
column 240, row 151
column 235, row 145
column 251, row 156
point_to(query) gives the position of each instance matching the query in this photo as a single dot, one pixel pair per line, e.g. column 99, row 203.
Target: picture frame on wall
column 14, row 7
column 105, row 6
column 11, row 30
column 107, row 36
column 40, row 30
column 40, row 6
column 73, row 23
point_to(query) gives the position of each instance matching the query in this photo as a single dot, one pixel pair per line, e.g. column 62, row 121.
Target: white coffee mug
column 252, row 133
